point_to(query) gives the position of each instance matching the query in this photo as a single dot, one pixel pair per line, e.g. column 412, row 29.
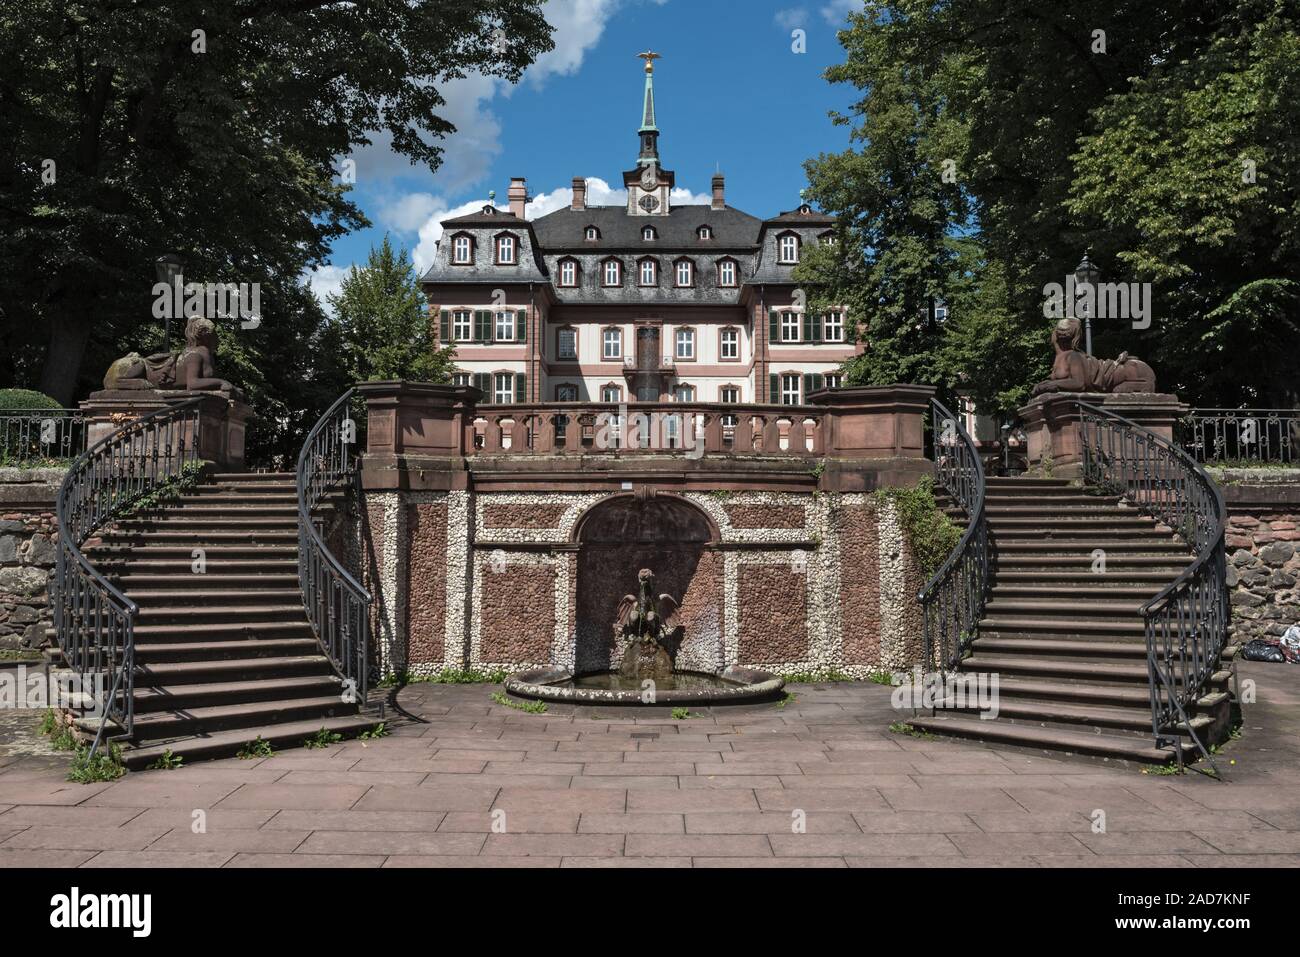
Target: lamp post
column 169, row 267
column 1086, row 274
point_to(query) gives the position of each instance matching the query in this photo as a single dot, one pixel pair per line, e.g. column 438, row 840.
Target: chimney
column 518, row 196
column 718, row 201
column 579, row 193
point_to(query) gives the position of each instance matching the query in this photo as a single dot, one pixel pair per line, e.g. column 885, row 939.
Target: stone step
column 147, row 653
column 253, row 535
column 150, row 586
column 229, row 743
column 1073, row 592
column 999, row 606
column 204, row 695
column 234, row 590
column 1047, row 666
column 1064, row 627
column 224, row 630
column 168, row 674
column 1085, row 546
column 228, row 716
column 1133, row 719
column 1062, row 647
column 1064, row 689
column 184, row 616
column 1131, row 748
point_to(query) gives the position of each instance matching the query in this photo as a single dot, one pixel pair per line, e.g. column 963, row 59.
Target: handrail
column 95, row 622
column 337, row 606
column 952, row 601
column 1244, row 436
column 1185, row 623
column 30, row 435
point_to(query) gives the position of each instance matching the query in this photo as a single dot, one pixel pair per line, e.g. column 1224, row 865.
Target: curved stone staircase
column 1066, row 639
column 226, row 655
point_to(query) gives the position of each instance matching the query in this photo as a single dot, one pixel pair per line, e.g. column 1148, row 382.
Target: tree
column 381, row 327
column 212, row 130
column 993, row 142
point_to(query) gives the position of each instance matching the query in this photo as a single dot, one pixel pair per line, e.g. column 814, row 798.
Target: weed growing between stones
column 259, row 747
column 930, row 532
column 322, row 739
column 531, row 707
column 167, row 762
column 106, row 765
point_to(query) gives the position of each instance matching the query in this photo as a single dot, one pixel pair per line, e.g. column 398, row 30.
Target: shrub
column 18, row 442
column 26, row 399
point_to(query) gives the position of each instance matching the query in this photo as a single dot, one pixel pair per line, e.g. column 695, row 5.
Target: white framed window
column 727, row 272
column 460, row 378
column 569, row 272
column 833, row 327
column 647, row 272
column 684, row 393
column 566, row 341
column 648, row 232
column 704, row 232
column 685, row 273
column 592, row 233
column 611, row 393
column 612, row 273
column 566, row 392
column 729, row 344
column 462, row 250
column 789, row 327
column 462, row 328
column 834, row 380
column 506, row 250
column 685, row 344
column 503, row 387
column 729, row 394
column 505, row 327
column 940, row 312
column 611, row 344
column 790, row 383
column 789, row 248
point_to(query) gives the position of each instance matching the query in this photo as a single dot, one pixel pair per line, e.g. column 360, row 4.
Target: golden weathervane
column 650, row 56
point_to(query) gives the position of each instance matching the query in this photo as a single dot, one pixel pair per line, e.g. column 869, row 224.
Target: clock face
column 649, row 203
column 649, row 179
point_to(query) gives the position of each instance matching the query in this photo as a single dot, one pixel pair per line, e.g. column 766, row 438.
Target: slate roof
column 564, row 229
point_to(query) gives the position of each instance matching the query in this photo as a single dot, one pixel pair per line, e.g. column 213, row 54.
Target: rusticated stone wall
column 1263, row 570
column 28, row 533
column 779, row 580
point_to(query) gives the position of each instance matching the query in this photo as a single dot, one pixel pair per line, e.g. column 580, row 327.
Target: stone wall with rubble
column 27, row 548
column 1263, row 570
column 792, row 582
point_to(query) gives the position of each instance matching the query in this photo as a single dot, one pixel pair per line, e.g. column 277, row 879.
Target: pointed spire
column 648, row 131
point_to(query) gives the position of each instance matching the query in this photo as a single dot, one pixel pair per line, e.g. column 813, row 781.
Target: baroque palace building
column 643, row 302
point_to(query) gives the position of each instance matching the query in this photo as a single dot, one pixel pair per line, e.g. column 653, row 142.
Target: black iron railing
column 952, row 602
column 1186, row 622
column 1242, row 436
column 29, row 436
column 94, row 622
column 336, row 604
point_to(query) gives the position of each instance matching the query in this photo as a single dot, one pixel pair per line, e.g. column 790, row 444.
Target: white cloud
column 578, row 26
column 837, row 11
column 408, row 212
column 326, row 280
column 792, row 18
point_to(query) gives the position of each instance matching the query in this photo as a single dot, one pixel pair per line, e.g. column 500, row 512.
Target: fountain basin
column 733, row 686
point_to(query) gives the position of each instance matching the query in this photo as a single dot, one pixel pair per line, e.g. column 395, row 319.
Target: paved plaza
column 464, row 781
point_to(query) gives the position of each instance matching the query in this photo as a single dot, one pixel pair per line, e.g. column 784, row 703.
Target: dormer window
column 591, row 233
column 568, row 272
column 611, row 273
column 462, row 249
column 506, row 250
column 647, row 273
column 788, row 248
column 727, row 272
column 685, row 272
column 649, row 233
column 704, row 232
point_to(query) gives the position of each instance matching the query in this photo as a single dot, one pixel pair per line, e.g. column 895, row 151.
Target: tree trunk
column 69, row 334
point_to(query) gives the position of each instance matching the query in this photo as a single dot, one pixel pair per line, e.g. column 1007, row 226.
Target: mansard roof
column 564, row 229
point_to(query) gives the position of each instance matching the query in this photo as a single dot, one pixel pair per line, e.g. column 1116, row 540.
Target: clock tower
column 649, row 184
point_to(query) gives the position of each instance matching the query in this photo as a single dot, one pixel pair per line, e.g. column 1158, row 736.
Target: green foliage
column 990, row 148
column 681, row 714
column 816, row 677
column 62, row 734
column 790, row 698
column 931, row 534
column 167, row 761
column 259, row 747
column 380, row 730
column 881, row 678
column 322, row 739
column 447, row 676
column 106, row 765
column 21, row 399
column 381, row 327
column 168, row 491
column 531, row 707
column 902, row 727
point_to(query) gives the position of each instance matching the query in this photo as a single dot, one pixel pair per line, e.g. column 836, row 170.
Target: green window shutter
column 774, row 388
column 521, row 326
column 482, row 382
column 482, row 325
column 809, row 383
column 521, row 387
column 816, row 328
column 807, row 327
column 444, row 327
column 774, row 326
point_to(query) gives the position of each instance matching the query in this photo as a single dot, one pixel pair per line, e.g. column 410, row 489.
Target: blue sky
column 730, row 93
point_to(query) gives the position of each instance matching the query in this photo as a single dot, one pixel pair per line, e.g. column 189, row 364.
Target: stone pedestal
column 223, row 419
column 1052, row 429
column 875, row 436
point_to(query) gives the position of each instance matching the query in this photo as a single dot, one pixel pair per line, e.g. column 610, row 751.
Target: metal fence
column 33, row 436
column 1242, row 436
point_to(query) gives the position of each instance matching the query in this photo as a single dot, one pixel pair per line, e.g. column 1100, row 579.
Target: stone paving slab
column 464, row 782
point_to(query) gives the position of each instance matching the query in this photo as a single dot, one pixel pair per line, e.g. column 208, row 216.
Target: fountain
column 648, row 674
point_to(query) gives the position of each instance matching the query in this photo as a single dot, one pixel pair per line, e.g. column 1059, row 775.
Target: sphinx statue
column 192, row 368
column 1075, row 371
column 649, row 623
